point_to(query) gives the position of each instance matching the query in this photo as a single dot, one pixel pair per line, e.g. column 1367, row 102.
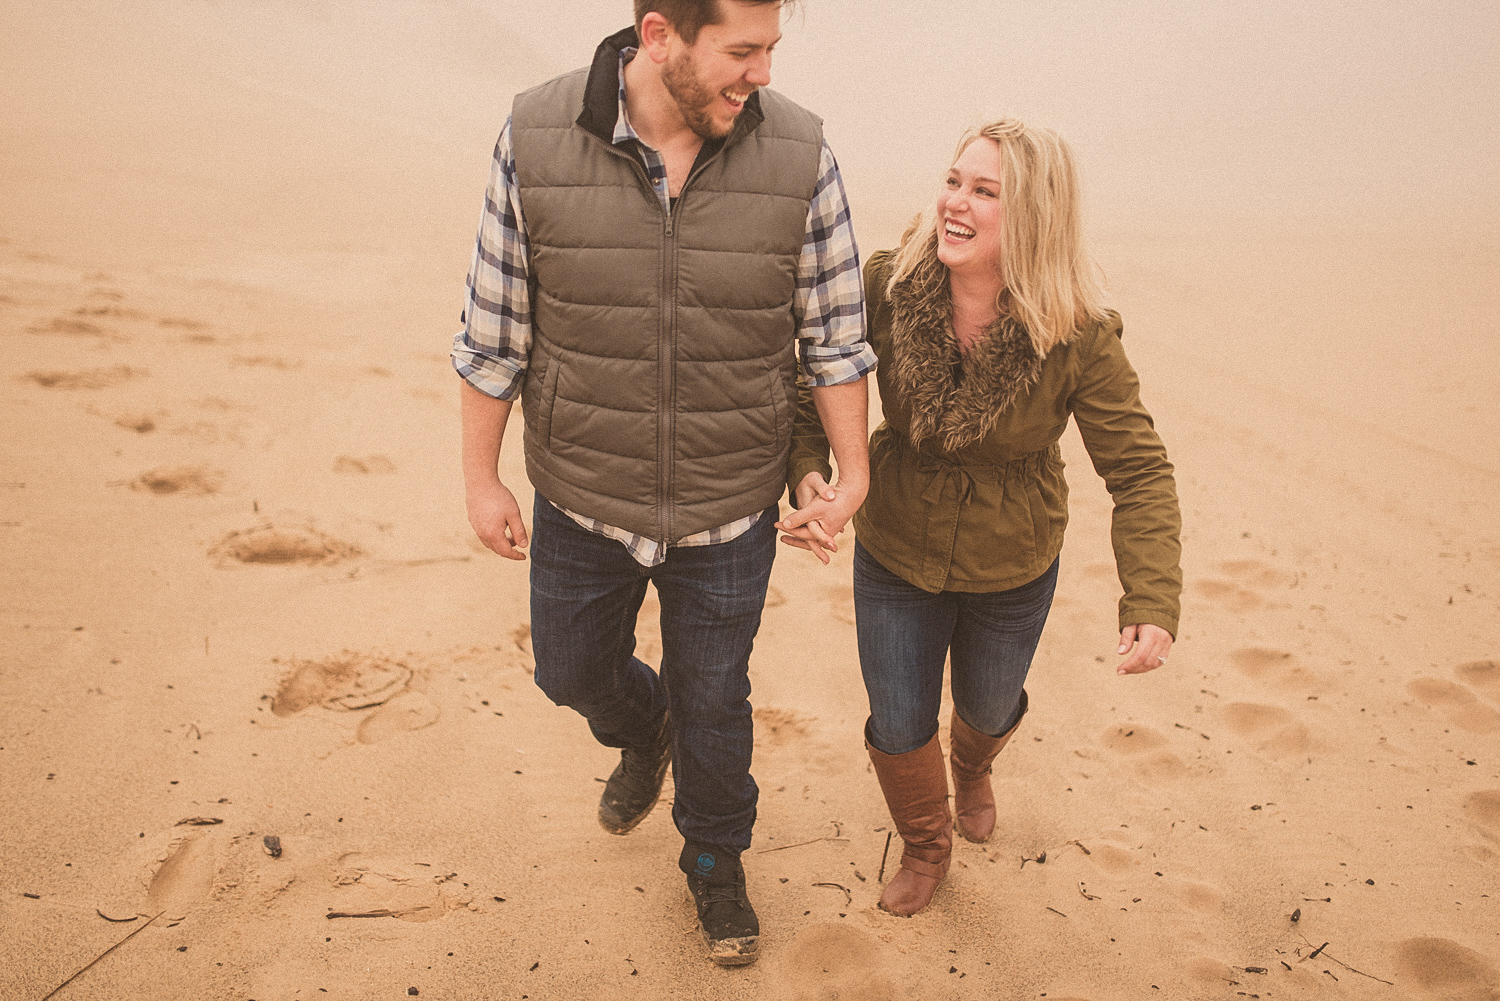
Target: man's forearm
column 844, row 411
column 484, row 419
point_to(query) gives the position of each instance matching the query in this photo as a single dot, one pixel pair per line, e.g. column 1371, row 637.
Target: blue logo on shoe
column 705, row 864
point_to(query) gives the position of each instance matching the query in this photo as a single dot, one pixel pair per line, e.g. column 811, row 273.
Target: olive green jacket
column 980, row 503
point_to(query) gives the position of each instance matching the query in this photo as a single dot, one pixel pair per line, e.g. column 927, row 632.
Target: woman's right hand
column 822, row 513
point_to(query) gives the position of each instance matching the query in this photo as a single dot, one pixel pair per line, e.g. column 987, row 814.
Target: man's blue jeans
column 906, row 633
column 586, row 590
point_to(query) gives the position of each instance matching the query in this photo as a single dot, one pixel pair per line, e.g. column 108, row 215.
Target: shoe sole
column 733, row 951
column 626, row 828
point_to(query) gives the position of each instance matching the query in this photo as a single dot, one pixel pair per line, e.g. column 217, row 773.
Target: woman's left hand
column 1152, row 644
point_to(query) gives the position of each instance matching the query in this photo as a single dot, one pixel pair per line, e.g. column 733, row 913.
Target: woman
column 990, row 331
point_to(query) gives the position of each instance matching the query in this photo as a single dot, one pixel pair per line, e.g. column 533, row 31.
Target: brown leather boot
column 970, row 754
column 916, row 791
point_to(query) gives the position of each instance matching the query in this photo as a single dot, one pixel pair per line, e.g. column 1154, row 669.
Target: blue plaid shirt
column 829, row 305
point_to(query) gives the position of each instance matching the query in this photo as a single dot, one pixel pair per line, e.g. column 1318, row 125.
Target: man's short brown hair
column 687, row 17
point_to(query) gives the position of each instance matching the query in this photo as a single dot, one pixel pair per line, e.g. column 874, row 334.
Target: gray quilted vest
column 661, row 385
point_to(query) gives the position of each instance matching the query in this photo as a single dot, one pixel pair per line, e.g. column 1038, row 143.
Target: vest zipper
column 668, row 341
column 666, row 353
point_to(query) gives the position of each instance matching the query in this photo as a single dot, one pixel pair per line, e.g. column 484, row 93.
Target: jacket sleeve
column 1126, row 451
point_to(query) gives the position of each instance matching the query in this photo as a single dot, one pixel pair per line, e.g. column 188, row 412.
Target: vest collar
column 601, row 95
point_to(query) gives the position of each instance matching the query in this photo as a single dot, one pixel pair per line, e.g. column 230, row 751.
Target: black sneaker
column 717, row 881
column 635, row 786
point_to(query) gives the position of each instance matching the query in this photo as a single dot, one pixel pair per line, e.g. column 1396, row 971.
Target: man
column 663, row 242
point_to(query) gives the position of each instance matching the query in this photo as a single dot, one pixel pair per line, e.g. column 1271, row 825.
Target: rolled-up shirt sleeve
column 829, row 307
column 490, row 351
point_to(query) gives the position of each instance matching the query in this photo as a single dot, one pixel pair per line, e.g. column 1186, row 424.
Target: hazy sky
column 1380, row 111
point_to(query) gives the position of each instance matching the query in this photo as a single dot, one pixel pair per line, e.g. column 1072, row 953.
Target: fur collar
column 998, row 369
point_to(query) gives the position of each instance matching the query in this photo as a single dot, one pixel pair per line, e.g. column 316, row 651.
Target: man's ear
column 656, row 34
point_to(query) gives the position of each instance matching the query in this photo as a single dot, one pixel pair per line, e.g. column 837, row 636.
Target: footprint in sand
column 1482, row 675
column 72, row 326
column 406, row 712
column 1201, row 898
column 139, row 423
column 779, row 727
column 1208, row 974
column 369, row 465
column 1445, row 969
column 95, row 378
column 1482, row 809
column 1254, row 573
column 1145, row 752
column 269, row 545
column 265, row 361
column 841, row 603
column 183, row 323
column 1461, row 706
column 1111, row 858
column 346, row 681
column 364, row 883
column 1273, row 731
column 185, row 877
column 180, row 480
column 833, row 961
column 1275, row 668
column 1228, row 595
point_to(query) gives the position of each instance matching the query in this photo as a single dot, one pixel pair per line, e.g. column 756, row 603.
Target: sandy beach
column 241, row 600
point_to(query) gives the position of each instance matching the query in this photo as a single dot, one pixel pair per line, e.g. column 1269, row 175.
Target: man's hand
column 1152, row 644
column 496, row 519
column 822, row 513
column 493, row 512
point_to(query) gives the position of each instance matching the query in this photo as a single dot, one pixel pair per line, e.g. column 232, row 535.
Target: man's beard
column 693, row 99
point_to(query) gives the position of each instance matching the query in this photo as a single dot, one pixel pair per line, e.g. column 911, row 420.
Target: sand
column 241, row 598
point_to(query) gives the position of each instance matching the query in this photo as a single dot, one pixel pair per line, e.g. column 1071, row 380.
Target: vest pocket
column 782, row 408
column 538, row 397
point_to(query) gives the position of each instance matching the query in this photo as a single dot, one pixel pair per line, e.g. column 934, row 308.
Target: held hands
column 1152, row 644
column 496, row 519
column 822, row 512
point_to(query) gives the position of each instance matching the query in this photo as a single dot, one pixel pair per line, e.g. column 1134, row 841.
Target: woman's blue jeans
column 586, row 591
column 906, row 634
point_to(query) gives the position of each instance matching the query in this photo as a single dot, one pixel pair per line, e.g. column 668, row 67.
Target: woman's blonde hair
column 1051, row 285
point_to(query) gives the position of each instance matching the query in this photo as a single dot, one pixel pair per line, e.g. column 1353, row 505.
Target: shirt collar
column 623, row 130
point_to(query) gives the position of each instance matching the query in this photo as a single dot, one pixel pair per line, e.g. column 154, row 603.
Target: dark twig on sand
column 881, row 877
column 782, row 848
column 1329, row 955
column 1314, row 953
column 379, row 912
column 848, row 897
column 133, row 932
column 118, row 921
column 1059, row 913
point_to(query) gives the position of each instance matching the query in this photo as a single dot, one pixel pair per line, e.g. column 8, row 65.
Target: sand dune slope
column 241, row 601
